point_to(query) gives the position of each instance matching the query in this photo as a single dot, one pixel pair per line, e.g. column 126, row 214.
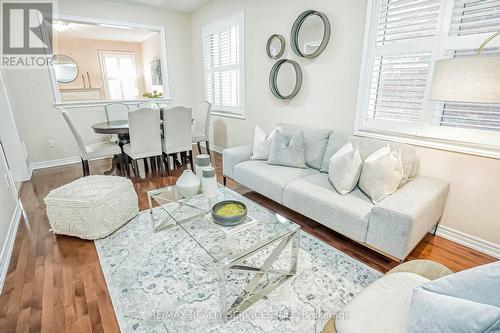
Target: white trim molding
column 6, row 253
column 53, row 163
column 99, row 21
column 469, row 241
column 56, row 163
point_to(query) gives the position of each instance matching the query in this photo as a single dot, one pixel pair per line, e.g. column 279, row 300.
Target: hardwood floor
column 55, row 283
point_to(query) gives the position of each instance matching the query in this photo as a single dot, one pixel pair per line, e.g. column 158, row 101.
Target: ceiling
column 90, row 31
column 181, row 6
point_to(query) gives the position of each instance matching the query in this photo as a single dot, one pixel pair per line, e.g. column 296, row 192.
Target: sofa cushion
column 345, row 169
column 381, row 174
column 288, row 150
column 367, row 146
column 314, row 197
column 261, row 144
column 267, row 179
column 436, row 313
column 316, row 142
column 467, row 301
column 381, row 307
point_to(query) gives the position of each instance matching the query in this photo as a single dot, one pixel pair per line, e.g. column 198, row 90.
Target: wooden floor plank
column 56, row 284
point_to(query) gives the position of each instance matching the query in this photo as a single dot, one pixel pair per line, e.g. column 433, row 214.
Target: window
column 120, row 76
column 403, row 40
column 223, row 55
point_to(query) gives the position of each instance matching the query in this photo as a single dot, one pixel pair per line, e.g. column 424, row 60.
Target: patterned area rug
column 165, row 282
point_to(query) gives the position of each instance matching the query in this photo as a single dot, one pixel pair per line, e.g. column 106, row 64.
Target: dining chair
column 201, row 126
column 145, row 136
column 116, row 111
column 177, row 136
column 91, row 151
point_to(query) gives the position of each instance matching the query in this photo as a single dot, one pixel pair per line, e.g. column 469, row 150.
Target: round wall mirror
column 65, row 68
column 275, row 46
column 310, row 34
column 285, row 79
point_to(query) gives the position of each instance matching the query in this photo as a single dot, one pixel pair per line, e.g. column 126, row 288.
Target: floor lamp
column 467, row 79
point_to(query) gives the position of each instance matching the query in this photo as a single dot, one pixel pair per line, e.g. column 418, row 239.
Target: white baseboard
column 6, row 253
column 213, row 147
column 469, row 241
column 53, row 163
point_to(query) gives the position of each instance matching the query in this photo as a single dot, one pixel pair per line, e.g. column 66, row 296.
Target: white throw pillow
column 381, row 174
column 345, row 168
column 261, row 144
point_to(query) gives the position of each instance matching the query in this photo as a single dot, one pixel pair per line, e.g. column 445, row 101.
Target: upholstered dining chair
column 143, row 104
column 177, row 133
column 201, row 126
column 92, row 151
column 145, row 136
column 116, row 111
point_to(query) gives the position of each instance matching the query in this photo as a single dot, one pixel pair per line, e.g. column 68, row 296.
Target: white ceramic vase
column 188, row 184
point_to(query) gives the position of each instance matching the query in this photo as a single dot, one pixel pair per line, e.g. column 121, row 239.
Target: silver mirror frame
column 54, row 58
column 273, row 78
column 294, row 35
column 282, row 49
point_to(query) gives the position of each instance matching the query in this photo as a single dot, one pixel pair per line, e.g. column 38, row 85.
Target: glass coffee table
column 264, row 234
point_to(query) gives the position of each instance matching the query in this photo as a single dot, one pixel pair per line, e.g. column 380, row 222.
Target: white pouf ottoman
column 92, row 207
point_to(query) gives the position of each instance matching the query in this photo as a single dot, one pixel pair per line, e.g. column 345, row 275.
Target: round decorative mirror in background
column 310, row 34
column 275, row 46
column 285, row 79
column 65, row 68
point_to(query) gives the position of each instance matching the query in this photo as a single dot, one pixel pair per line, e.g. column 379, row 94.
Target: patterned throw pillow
column 288, row 150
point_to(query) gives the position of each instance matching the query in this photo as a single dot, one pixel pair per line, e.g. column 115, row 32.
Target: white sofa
column 393, row 227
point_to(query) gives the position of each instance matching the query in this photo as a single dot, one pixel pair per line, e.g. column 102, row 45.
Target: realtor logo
column 23, row 27
column 26, row 35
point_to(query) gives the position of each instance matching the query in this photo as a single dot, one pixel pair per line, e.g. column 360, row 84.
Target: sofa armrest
column 400, row 221
column 427, row 268
column 233, row 156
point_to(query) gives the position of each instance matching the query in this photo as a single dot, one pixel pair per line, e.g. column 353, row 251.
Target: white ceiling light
column 60, row 25
column 114, row 26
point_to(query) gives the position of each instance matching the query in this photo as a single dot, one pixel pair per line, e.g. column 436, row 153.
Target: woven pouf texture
column 92, row 207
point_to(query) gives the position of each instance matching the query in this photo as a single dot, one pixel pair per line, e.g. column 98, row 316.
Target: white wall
column 150, row 51
column 10, row 138
column 8, row 217
column 30, row 91
column 328, row 100
column 329, row 89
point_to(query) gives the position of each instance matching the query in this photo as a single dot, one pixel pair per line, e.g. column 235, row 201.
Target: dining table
column 120, row 128
column 114, row 127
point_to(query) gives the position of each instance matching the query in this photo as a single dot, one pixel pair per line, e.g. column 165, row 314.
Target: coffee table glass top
column 223, row 244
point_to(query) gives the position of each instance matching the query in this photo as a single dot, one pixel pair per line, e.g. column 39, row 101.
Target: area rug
column 165, row 282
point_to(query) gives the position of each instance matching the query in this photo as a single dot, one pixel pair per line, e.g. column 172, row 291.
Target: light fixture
column 113, row 26
column 467, row 79
column 60, row 26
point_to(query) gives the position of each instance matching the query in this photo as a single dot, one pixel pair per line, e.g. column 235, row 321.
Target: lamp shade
column 469, row 79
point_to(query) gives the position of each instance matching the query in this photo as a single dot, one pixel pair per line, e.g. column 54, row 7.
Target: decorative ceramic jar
column 208, row 182
column 188, row 184
column 201, row 161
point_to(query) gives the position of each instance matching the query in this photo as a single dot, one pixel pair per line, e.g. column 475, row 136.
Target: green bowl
column 229, row 221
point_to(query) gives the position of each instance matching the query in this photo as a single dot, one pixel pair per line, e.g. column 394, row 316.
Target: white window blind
column 474, row 17
column 223, row 65
column 120, row 75
column 404, row 39
column 397, row 87
column 401, row 20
